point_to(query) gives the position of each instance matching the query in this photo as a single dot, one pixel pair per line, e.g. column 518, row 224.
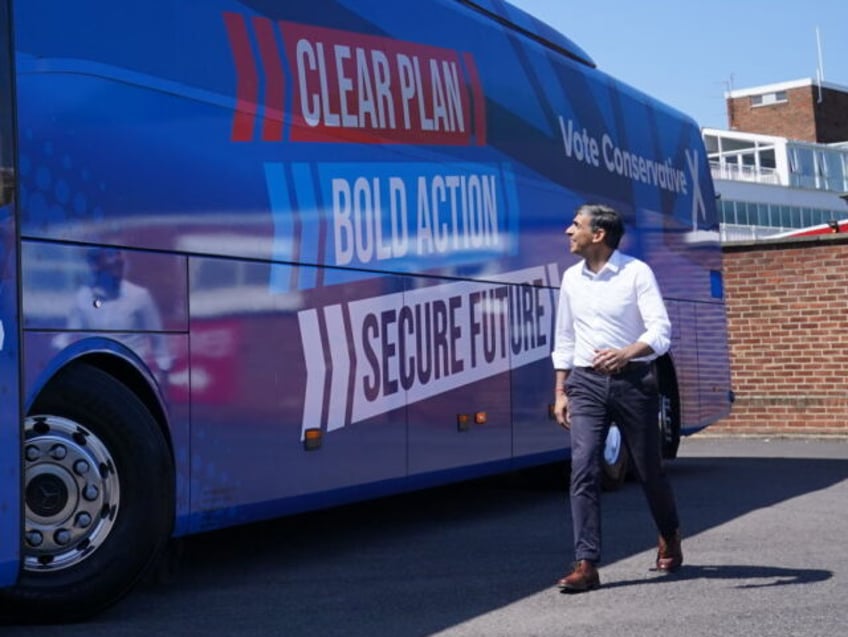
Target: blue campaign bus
column 261, row 257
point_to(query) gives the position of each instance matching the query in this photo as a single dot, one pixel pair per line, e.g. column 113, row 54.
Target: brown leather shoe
column 669, row 553
column 584, row 577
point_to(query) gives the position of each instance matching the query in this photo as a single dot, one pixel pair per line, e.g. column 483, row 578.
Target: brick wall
column 787, row 304
column 832, row 117
column 794, row 118
column 801, row 117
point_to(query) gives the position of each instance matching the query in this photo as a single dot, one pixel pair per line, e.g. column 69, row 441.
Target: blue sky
column 689, row 53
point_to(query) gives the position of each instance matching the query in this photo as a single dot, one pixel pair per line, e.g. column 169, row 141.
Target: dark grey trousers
column 631, row 400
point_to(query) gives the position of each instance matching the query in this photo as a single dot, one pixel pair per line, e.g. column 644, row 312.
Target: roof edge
column 783, row 86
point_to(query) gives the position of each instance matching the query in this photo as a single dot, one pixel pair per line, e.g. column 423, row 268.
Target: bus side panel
column 270, row 362
column 685, row 353
column 223, row 125
column 71, row 308
column 308, row 241
column 10, row 411
column 713, row 364
column 464, row 422
column 404, row 376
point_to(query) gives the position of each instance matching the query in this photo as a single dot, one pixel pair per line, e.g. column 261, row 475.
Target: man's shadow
column 764, row 576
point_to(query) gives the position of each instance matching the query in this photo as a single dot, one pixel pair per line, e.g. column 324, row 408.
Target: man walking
column 611, row 324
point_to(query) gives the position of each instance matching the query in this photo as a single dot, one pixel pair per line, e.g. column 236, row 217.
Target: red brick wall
column 794, row 118
column 801, row 117
column 787, row 304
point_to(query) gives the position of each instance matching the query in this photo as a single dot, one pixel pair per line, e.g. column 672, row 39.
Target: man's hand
column 610, row 361
column 561, row 414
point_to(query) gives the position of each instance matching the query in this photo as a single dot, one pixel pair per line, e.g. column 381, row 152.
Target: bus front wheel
column 98, row 497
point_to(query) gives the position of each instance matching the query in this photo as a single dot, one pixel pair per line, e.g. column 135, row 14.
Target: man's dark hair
column 604, row 218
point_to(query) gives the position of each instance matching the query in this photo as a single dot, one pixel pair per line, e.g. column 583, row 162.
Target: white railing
column 735, row 172
column 731, row 232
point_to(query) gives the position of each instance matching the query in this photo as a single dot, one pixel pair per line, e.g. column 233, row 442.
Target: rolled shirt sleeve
column 657, row 334
column 563, row 352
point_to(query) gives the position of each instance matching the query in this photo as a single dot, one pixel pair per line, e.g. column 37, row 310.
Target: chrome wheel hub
column 71, row 493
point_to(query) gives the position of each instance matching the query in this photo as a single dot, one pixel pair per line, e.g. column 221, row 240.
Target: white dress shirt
column 616, row 307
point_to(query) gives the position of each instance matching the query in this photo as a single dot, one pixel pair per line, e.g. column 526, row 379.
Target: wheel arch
column 122, row 365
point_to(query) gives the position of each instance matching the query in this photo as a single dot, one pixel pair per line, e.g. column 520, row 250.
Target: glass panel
column 729, row 145
column 805, row 168
column 795, row 221
column 786, row 216
column 767, row 159
column 833, row 169
column 844, row 186
column 738, row 212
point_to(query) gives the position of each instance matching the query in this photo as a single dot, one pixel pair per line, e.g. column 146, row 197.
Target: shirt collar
column 613, row 264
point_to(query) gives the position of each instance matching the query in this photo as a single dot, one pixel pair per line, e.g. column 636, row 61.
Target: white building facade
column 768, row 184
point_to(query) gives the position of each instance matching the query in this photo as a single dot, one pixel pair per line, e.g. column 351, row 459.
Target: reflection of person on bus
column 611, row 324
column 111, row 303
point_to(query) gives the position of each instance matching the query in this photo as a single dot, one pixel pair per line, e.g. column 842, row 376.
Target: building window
column 785, row 216
column 766, row 99
column 747, row 213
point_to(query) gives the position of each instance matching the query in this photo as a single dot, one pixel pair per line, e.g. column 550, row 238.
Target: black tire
column 89, row 535
column 615, row 462
column 668, row 416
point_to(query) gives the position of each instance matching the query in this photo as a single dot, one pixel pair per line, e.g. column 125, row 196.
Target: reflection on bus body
column 109, row 302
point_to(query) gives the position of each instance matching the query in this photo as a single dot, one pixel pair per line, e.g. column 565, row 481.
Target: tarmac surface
column 765, row 524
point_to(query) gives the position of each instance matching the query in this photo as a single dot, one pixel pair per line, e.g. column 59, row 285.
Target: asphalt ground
column 765, row 527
